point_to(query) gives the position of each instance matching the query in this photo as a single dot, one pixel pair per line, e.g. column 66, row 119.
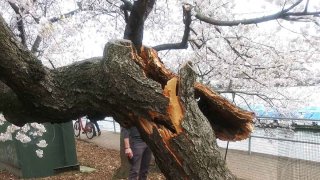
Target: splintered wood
column 175, row 113
column 146, row 125
column 228, row 121
column 154, row 69
column 174, row 109
column 152, row 66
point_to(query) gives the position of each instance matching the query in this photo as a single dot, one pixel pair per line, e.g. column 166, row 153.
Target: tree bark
column 191, row 152
column 135, row 89
column 135, row 25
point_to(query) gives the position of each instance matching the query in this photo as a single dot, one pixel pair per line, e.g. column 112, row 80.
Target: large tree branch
column 283, row 14
column 68, row 92
column 184, row 42
column 52, row 95
column 135, row 89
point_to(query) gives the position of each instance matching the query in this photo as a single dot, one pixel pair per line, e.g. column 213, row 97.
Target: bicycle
column 88, row 128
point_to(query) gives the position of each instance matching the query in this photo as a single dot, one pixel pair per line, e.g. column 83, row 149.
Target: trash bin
column 59, row 155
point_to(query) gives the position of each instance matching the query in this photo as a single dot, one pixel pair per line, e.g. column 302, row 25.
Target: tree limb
column 126, row 86
column 283, row 14
column 20, row 24
column 66, row 15
column 135, row 26
column 184, row 42
column 306, row 7
column 36, row 44
column 127, row 5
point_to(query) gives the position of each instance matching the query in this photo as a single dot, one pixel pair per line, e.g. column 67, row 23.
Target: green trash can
column 59, row 155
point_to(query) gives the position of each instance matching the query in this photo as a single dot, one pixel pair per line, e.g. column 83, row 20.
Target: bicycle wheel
column 89, row 129
column 76, row 128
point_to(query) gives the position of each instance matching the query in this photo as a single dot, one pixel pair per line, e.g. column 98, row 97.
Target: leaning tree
column 178, row 117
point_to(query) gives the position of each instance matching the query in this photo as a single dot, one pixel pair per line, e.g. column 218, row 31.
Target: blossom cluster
column 29, row 133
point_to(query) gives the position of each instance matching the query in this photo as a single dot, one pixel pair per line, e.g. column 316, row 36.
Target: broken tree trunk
column 191, row 152
column 135, row 89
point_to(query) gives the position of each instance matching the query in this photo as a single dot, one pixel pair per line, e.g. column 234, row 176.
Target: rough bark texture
column 192, row 153
column 136, row 89
column 230, row 122
column 135, row 25
column 92, row 87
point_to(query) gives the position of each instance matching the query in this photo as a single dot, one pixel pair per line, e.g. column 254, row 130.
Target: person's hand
column 128, row 153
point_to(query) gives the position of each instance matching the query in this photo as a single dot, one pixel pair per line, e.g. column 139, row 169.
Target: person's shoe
column 99, row 133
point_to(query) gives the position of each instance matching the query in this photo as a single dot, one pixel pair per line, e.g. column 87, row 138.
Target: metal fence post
column 249, row 146
column 114, row 126
column 225, row 155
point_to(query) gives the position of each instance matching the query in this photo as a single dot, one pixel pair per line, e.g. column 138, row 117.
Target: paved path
column 107, row 139
column 252, row 167
column 267, row 167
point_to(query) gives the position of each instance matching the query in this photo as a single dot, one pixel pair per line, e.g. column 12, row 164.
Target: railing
column 254, row 136
column 259, row 117
column 278, row 139
column 113, row 122
column 281, row 139
column 286, row 119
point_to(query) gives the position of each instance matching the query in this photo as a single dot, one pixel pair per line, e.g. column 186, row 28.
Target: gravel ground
column 105, row 162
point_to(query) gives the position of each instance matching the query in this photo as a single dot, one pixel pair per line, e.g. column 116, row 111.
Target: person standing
column 138, row 153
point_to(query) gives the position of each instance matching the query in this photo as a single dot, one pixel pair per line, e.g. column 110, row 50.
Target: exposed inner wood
column 150, row 128
column 175, row 113
column 175, row 110
column 153, row 67
column 229, row 121
column 146, row 125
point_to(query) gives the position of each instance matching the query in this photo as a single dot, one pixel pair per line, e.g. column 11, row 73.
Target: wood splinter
column 230, row 122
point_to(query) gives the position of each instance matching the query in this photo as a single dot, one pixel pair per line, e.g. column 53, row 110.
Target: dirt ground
column 105, row 162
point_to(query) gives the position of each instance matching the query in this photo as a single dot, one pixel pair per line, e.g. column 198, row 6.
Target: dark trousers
column 140, row 161
column 96, row 124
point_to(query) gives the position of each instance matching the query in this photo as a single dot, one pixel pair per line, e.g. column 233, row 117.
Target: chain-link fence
column 276, row 150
